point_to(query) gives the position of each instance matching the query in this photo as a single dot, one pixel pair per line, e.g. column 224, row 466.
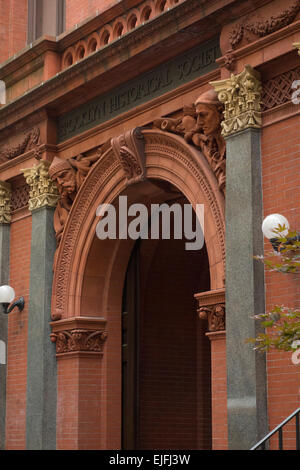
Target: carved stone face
column 66, row 182
column 209, row 118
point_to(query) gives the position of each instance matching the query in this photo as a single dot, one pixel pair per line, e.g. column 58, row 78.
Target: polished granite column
column 5, row 210
column 246, row 368
column 41, row 365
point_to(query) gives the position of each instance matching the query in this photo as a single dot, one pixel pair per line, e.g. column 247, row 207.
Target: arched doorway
column 90, row 273
column 166, row 370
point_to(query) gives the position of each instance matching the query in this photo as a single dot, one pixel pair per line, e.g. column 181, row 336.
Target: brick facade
column 182, row 372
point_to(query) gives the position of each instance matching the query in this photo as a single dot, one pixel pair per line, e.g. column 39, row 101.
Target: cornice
column 115, row 51
column 182, row 15
column 94, row 22
column 64, row 40
column 117, row 48
column 88, row 323
column 30, row 53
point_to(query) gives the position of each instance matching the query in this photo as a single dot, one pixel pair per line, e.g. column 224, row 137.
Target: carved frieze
column 30, row 141
column 129, row 148
column 77, row 340
column 5, row 202
column 211, row 307
column 256, row 27
column 200, row 125
column 42, row 190
column 241, row 96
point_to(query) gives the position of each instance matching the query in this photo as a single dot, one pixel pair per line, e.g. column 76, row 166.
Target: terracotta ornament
column 30, row 141
column 253, row 29
column 129, row 148
column 215, row 315
column 77, row 340
column 200, row 125
column 68, row 175
column 211, row 307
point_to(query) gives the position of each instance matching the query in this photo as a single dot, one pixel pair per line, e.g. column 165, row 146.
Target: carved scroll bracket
column 241, row 96
column 5, row 202
column 129, row 148
column 211, row 307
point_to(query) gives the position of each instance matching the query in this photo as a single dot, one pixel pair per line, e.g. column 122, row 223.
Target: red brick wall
column 219, row 391
column 13, row 27
column 79, row 382
column 281, row 194
column 79, row 10
column 174, row 352
column 20, row 241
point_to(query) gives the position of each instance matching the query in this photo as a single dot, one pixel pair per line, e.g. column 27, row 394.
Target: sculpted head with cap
column 209, row 112
column 64, row 175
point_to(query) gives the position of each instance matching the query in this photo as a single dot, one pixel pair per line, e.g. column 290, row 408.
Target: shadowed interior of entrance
column 166, row 383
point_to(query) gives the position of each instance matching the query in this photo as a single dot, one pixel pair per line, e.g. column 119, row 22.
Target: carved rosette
column 241, row 96
column 129, row 148
column 77, row 340
column 5, row 202
column 211, row 307
column 43, row 192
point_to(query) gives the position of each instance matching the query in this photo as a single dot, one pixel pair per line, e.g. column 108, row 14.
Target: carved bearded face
column 208, row 118
column 66, row 182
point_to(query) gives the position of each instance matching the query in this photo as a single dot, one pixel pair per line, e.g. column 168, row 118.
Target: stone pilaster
column 246, row 368
column 5, row 217
column 41, row 369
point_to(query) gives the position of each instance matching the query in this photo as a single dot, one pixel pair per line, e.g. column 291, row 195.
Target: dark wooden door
column 130, row 332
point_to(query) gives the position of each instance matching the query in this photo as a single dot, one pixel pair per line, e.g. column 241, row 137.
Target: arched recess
column 168, row 157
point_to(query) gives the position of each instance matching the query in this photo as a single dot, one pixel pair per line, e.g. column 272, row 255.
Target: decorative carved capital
column 79, row 340
column 297, row 45
column 241, row 96
column 77, row 335
column 129, row 148
column 5, row 202
column 211, row 307
column 43, row 192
